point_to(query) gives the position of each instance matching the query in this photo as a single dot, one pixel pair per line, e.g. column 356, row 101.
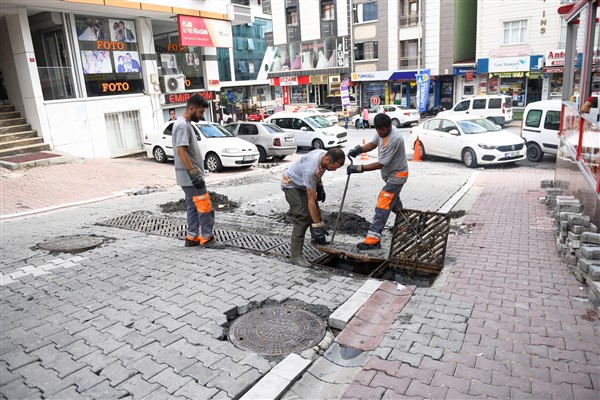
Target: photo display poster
column 109, row 55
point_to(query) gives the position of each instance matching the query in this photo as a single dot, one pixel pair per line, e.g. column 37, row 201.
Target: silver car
column 271, row 140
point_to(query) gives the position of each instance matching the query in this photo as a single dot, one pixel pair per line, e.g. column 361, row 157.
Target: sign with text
column 285, row 91
column 423, row 82
column 509, row 64
column 204, row 32
column 184, row 97
column 344, row 93
column 288, row 80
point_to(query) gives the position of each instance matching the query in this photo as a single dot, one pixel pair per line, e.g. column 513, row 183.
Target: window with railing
column 515, row 32
column 408, row 53
column 293, row 28
column 365, row 12
column 366, row 51
column 409, row 12
column 562, row 41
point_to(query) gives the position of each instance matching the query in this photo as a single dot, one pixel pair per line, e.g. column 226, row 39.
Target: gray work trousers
column 388, row 201
column 200, row 214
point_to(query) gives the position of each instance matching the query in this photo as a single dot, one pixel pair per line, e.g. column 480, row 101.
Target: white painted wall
column 310, row 20
column 393, row 42
column 491, row 16
column 342, row 18
column 279, row 22
column 431, row 36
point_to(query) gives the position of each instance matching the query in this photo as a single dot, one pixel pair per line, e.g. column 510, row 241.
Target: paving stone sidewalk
column 508, row 321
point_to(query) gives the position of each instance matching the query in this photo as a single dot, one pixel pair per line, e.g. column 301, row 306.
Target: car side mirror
column 454, row 132
column 303, row 129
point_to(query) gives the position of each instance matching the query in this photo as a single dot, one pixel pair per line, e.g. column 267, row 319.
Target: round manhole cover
column 277, row 331
column 71, row 244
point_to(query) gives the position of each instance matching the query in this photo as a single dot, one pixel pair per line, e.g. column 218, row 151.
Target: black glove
column 320, row 193
column 197, row 178
column 356, row 151
column 354, row 169
column 320, row 233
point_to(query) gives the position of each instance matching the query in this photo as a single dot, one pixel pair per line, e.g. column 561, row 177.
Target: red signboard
column 184, row 97
column 202, row 32
column 469, row 76
column 286, row 94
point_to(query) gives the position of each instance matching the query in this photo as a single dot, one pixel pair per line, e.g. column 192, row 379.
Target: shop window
column 109, row 55
column 479, row 104
column 366, row 51
column 533, row 119
column 408, row 53
column 365, row 12
column 224, row 62
column 515, row 32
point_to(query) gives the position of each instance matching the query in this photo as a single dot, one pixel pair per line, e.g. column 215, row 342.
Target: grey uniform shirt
column 392, row 156
column 183, row 134
column 304, row 173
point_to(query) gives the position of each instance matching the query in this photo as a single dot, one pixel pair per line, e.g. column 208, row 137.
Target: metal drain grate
column 309, row 252
column 255, row 242
column 175, row 228
column 225, row 236
column 130, row 221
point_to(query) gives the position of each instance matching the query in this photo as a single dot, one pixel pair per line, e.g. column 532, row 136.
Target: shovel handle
column 342, row 204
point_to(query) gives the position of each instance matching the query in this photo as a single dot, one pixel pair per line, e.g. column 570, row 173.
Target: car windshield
column 272, row 128
column 473, row 126
column 213, row 131
column 318, row 122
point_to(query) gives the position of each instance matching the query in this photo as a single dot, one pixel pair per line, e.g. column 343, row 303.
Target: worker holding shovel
column 302, row 186
column 394, row 171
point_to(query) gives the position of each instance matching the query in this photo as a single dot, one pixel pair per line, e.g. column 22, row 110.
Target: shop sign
column 285, row 91
column 184, row 97
column 556, row 58
column 509, row 64
column 204, row 32
column 177, row 48
column 115, row 87
column 371, row 76
column 553, row 70
column 318, row 79
column 288, row 81
column 344, row 93
column 469, row 75
column 423, row 83
column 311, row 55
column 510, row 74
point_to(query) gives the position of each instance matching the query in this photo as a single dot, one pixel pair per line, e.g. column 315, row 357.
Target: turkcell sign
column 204, row 32
column 423, row 83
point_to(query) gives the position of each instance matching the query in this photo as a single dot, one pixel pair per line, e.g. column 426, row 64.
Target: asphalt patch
column 349, row 223
column 220, row 202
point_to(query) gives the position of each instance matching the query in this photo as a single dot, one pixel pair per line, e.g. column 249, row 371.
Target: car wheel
column 317, row 144
column 262, row 155
column 356, row 125
column 229, row 120
column 213, row 163
column 159, row 154
column 396, row 123
column 534, row 152
column 469, row 158
column 280, row 158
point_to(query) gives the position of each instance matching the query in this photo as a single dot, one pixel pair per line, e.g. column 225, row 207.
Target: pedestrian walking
column 346, row 117
column 303, row 188
column 394, row 171
column 365, row 116
column 189, row 173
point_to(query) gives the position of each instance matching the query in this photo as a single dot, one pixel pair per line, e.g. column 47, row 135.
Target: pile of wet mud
column 349, row 223
column 219, row 202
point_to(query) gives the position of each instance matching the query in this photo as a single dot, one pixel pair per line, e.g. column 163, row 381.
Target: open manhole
column 277, row 330
column 71, row 244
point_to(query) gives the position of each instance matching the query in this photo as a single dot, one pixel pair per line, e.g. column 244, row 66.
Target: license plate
column 289, row 139
column 249, row 158
column 511, row 154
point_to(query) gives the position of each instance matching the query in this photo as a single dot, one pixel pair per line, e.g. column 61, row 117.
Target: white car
column 472, row 140
column 400, row 115
column 310, row 130
column 325, row 113
column 219, row 148
column 270, row 139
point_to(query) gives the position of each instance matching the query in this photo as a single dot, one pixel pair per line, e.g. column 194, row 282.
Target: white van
column 496, row 108
column 311, row 130
column 540, row 128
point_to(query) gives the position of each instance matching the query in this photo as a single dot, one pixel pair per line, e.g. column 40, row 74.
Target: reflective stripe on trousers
column 200, row 214
column 388, row 201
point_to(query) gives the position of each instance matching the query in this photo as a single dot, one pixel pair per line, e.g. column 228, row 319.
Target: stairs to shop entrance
column 16, row 136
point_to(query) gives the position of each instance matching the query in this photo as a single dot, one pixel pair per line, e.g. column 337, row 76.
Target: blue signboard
column 423, row 82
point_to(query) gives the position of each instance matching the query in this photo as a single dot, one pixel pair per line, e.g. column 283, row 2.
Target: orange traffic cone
column 417, row 153
column 364, row 156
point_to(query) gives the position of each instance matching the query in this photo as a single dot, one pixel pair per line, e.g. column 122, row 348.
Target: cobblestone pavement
column 142, row 317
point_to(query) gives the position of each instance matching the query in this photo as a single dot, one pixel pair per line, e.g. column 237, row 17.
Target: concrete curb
column 343, row 314
column 279, row 379
column 43, row 162
column 452, row 201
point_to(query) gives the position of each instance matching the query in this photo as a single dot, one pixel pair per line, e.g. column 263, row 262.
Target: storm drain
column 71, row 244
column 176, row 227
column 277, row 331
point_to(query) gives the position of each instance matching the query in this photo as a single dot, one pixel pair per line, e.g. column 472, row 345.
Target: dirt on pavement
column 220, row 203
column 349, row 223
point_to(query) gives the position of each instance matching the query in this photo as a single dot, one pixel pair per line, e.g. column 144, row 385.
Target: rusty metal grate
column 309, row 252
column 419, row 241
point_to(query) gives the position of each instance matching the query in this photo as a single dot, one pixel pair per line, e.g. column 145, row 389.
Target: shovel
column 341, row 205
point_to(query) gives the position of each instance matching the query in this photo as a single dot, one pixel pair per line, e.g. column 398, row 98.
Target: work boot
column 191, row 242
column 365, row 246
column 213, row 244
column 296, row 253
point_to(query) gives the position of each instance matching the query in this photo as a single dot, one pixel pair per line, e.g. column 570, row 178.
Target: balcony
column 408, row 62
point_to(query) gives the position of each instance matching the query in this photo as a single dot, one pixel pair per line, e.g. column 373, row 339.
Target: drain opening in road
column 349, row 223
column 71, row 244
column 220, row 202
column 277, row 330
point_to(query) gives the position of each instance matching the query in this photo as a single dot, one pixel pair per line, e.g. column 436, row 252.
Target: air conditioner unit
column 173, row 83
